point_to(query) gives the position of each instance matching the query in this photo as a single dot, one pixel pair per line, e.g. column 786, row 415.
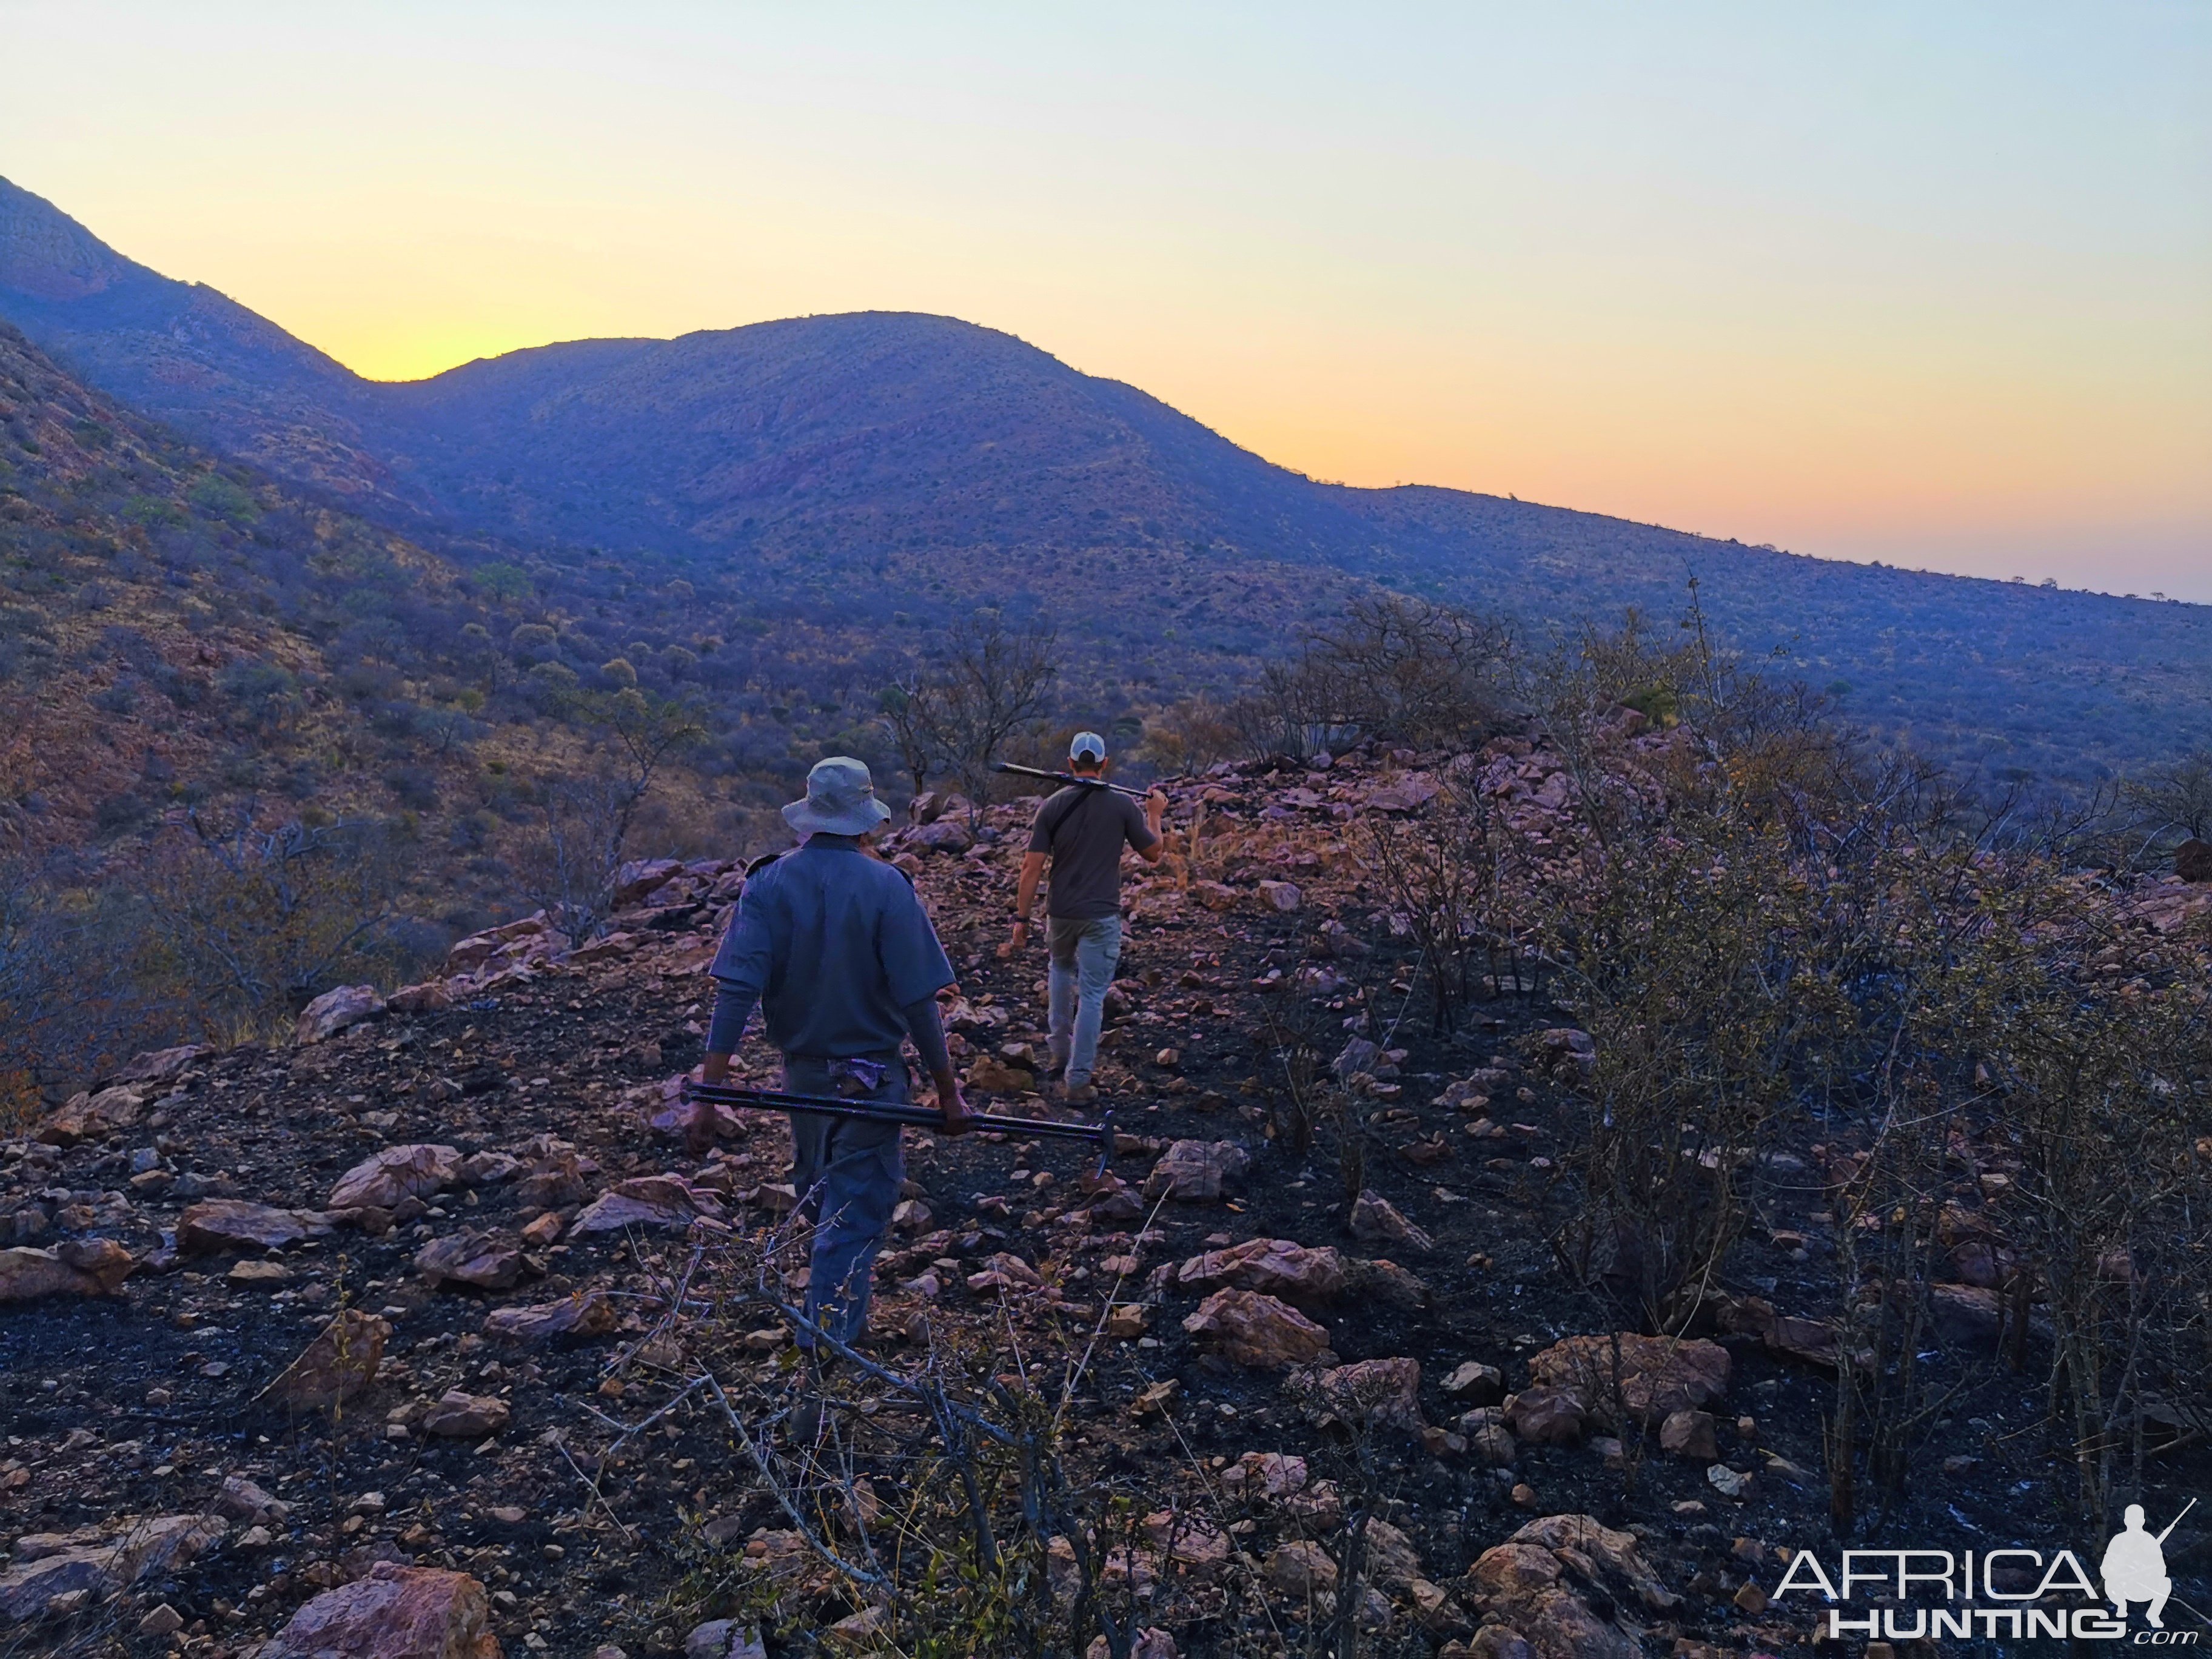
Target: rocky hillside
column 433, row 1314
column 888, row 469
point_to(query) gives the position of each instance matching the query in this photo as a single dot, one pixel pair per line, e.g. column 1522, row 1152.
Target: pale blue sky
column 1930, row 283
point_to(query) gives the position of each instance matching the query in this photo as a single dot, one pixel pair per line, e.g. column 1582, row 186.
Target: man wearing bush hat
column 834, row 946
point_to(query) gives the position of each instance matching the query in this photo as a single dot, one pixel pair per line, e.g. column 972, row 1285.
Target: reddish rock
column 1256, row 1330
column 661, row 1200
column 430, row 997
column 1649, row 1376
column 335, row 1012
column 160, row 1065
column 395, row 1613
column 94, row 1116
column 336, row 1365
column 586, row 1313
column 1279, row 1266
column 143, row 1549
column 1376, row 1220
column 1550, row 1417
column 397, row 1172
column 217, row 1225
column 1196, row 1172
column 459, row 1416
column 82, row 1266
column 1379, row 1391
column 480, row 1259
column 1689, row 1434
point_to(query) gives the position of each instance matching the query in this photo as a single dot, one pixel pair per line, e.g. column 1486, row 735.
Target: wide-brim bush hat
column 841, row 800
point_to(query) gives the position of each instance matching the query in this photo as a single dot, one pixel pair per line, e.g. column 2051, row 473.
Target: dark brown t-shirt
column 1085, row 828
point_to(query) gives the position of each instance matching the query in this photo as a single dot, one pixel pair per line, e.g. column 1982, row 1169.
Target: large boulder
column 397, row 1172
column 1257, row 1330
column 1279, row 1266
column 1196, row 1172
column 82, row 1266
column 395, row 1613
column 219, row 1225
column 1652, row 1377
column 337, row 1011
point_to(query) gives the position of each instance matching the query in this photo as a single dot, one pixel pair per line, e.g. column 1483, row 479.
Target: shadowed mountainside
column 878, row 464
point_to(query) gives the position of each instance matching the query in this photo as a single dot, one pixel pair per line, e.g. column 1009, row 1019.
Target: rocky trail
column 323, row 1347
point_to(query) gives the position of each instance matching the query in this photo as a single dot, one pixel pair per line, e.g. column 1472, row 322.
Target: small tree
column 960, row 712
column 2176, row 799
column 250, row 923
column 570, row 859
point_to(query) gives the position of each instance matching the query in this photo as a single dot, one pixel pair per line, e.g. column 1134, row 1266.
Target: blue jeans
column 1083, row 955
column 846, row 1174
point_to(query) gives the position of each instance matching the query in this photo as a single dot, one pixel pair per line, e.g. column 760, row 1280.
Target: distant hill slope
column 885, row 465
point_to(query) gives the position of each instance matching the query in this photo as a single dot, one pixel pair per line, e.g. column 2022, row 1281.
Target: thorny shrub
column 971, row 1494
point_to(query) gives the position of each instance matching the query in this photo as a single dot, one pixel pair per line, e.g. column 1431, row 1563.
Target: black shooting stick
column 1077, row 779
column 1100, row 1133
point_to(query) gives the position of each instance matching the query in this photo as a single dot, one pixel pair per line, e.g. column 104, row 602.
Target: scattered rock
column 1302, row 1570
column 336, row 1365
column 216, row 1225
column 585, row 1314
column 1476, row 1384
column 396, row 1173
column 1380, row 1391
column 395, row 1613
column 81, row 1266
column 1278, row 1267
column 94, row 1116
column 480, row 1259
column 1689, row 1434
column 459, row 1416
column 1257, row 1330
column 1376, row 1220
column 724, row 1639
column 337, row 1011
column 160, row 1065
column 661, row 1200
column 92, row 1572
column 1383, row 1283
column 1196, row 1172
column 1650, row 1377
column 160, row 1620
column 1550, row 1417
column 994, row 1076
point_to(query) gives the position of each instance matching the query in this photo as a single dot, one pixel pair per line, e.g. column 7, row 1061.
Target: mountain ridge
column 885, row 461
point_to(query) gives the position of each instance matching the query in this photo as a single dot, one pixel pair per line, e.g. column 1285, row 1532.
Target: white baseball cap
column 1087, row 745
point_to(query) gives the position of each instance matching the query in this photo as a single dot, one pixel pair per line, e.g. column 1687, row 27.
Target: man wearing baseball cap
column 835, row 949
column 1083, row 830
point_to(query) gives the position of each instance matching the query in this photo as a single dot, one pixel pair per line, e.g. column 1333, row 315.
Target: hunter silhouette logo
column 2134, row 1567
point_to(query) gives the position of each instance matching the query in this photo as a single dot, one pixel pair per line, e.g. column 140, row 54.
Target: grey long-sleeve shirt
column 839, row 954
